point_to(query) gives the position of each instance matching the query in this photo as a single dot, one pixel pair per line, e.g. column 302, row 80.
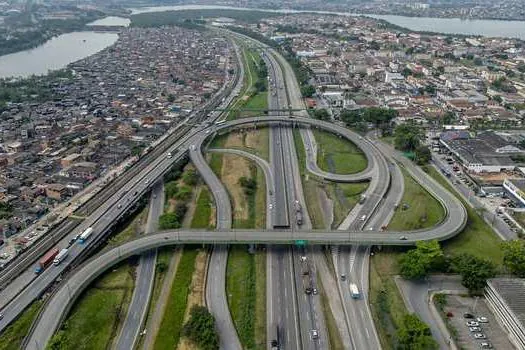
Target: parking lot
column 493, row 335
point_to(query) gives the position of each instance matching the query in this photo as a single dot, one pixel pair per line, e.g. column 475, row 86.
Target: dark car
column 468, row 315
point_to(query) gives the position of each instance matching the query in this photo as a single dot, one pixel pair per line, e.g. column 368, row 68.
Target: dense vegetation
column 159, row 19
column 428, row 257
column 200, row 329
column 45, row 30
column 408, row 138
column 359, row 118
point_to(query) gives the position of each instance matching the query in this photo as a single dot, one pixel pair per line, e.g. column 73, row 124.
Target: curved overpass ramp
column 65, row 296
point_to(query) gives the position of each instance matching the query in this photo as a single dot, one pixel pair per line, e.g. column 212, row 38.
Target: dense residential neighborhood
column 106, row 108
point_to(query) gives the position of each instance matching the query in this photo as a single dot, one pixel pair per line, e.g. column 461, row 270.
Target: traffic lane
column 144, row 277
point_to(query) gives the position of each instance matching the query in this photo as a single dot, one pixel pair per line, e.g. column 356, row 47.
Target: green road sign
column 301, row 242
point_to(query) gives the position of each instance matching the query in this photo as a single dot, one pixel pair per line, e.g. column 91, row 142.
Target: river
column 490, row 28
column 55, row 53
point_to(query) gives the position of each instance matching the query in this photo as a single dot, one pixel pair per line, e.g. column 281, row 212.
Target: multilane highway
column 61, row 301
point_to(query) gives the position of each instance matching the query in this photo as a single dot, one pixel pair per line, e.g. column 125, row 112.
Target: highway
column 60, row 302
column 145, row 275
column 107, row 213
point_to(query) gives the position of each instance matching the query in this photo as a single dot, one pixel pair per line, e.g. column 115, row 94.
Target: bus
column 354, row 291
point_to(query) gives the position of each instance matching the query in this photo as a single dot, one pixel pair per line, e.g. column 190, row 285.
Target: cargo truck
column 85, row 235
column 46, row 260
column 61, row 256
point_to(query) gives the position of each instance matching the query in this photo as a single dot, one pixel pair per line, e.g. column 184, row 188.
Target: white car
column 472, row 324
column 314, row 334
column 482, row 319
column 479, row 336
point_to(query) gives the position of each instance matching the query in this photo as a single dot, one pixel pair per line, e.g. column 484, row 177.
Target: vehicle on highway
column 71, row 242
column 479, row 336
column 61, row 256
column 354, row 291
column 472, row 324
column 85, row 235
column 274, row 342
column 170, row 155
column 482, row 319
column 1, row 316
column 219, row 122
column 343, row 277
column 46, row 260
column 403, row 238
column 363, row 218
column 362, row 199
column 314, row 333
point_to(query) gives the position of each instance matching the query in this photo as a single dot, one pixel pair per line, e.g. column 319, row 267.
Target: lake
column 55, row 53
column 490, row 28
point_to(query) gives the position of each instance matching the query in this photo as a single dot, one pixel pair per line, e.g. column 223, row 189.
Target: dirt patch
column 186, row 223
column 254, row 139
column 196, row 295
column 233, row 168
column 235, row 139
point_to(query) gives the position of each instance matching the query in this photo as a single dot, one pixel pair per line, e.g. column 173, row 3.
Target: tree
column 514, row 257
column 307, row 90
column 423, row 155
column 414, row 334
column 521, row 67
column 190, row 177
column 417, row 263
column 248, row 184
column 407, row 137
column 474, row 271
column 350, row 117
column 449, row 118
column 200, row 328
column 406, row 72
column 169, row 221
column 321, row 114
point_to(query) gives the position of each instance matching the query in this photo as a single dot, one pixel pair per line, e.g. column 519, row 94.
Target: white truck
column 62, row 255
column 85, row 235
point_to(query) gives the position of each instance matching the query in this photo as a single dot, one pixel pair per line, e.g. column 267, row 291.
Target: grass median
column 95, row 320
column 418, row 208
column 338, row 155
column 14, row 334
column 170, row 328
column 478, row 238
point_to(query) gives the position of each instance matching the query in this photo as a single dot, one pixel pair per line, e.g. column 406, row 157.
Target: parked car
column 482, row 319
column 479, row 336
column 468, row 315
column 474, row 329
column 472, row 324
column 485, row 345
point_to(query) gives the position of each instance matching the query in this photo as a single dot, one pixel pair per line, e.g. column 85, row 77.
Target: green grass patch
column 387, row 305
column 219, row 141
column 95, row 319
column 333, row 332
column 259, row 204
column 477, row 238
column 344, row 196
column 338, row 155
column 423, row 210
column 260, row 297
column 201, row 216
column 241, row 291
column 310, row 189
column 13, row 335
column 216, row 163
column 171, row 325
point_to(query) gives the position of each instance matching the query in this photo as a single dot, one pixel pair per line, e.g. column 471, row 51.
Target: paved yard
column 459, row 305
